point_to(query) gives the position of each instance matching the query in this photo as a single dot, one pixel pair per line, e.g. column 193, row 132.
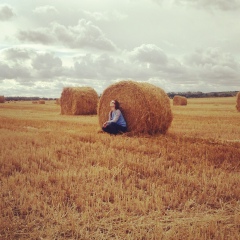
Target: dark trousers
column 114, row 128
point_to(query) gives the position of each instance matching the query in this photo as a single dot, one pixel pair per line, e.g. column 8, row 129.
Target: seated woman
column 116, row 122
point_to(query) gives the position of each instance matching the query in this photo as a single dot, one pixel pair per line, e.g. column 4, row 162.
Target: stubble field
column 61, row 179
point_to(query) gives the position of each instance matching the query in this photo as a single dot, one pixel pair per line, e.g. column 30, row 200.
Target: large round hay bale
column 238, row 102
column 179, row 100
column 2, row 99
column 145, row 107
column 79, row 101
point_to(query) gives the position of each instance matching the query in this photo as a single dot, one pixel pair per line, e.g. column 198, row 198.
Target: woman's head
column 114, row 104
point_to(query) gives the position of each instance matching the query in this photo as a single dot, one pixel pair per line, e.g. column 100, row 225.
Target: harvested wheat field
column 60, row 179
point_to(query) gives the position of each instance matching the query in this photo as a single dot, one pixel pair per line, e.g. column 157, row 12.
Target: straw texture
column 179, row 100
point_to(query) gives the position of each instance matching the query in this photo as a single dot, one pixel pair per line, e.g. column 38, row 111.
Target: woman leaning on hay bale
column 146, row 108
column 116, row 122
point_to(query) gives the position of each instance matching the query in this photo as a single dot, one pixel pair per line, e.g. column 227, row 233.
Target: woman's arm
column 116, row 116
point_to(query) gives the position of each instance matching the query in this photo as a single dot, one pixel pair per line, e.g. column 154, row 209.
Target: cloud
column 47, row 9
column 84, row 35
column 149, row 53
column 213, row 65
column 215, row 4
column 105, row 16
column 6, row 12
column 46, row 65
column 40, row 35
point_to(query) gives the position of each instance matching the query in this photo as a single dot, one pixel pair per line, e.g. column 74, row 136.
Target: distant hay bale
column 34, row 102
column 57, row 101
column 179, row 100
column 2, row 99
column 79, row 101
column 145, row 107
column 238, row 102
column 41, row 102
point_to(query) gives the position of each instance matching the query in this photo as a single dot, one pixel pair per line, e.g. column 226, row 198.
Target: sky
column 177, row 45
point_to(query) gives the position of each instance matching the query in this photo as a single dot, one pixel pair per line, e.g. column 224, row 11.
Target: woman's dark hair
column 116, row 103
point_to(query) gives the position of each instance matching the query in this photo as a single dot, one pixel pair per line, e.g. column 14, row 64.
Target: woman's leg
column 111, row 128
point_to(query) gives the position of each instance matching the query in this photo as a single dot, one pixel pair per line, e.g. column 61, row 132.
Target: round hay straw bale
column 179, row 100
column 79, row 101
column 57, row 101
column 145, row 107
column 238, row 102
column 41, row 102
column 34, row 102
column 2, row 99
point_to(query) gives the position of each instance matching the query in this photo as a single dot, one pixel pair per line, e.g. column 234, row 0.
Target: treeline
column 27, row 99
column 203, row 95
column 170, row 94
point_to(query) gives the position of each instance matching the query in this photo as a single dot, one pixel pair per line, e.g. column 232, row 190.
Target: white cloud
column 6, row 12
column 47, row 9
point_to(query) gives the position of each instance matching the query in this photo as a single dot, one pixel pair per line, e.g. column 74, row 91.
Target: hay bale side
column 238, row 102
column 179, row 100
column 145, row 107
column 79, row 101
column 41, row 102
column 34, row 102
column 2, row 99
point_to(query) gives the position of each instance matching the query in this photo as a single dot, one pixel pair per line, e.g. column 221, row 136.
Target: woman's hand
column 105, row 124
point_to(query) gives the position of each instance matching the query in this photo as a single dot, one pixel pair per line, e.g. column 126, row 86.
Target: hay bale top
column 179, row 100
column 2, row 99
column 238, row 101
column 79, row 101
column 145, row 107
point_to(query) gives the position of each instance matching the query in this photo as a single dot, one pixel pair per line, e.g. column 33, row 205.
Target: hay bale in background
column 41, row 102
column 2, row 99
column 34, row 102
column 179, row 100
column 57, row 101
column 79, row 101
column 145, row 107
column 238, row 102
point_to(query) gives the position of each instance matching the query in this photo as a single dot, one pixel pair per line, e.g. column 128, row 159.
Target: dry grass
column 61, row 180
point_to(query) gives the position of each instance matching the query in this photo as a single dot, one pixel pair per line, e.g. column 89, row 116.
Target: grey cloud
column 213, row 65
column 6, row 12
column 47, row 9
column 47, row 65
column 36, row 36
column 84, row 35
column 217, row 4
column 17, row 54
column 149, row 53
